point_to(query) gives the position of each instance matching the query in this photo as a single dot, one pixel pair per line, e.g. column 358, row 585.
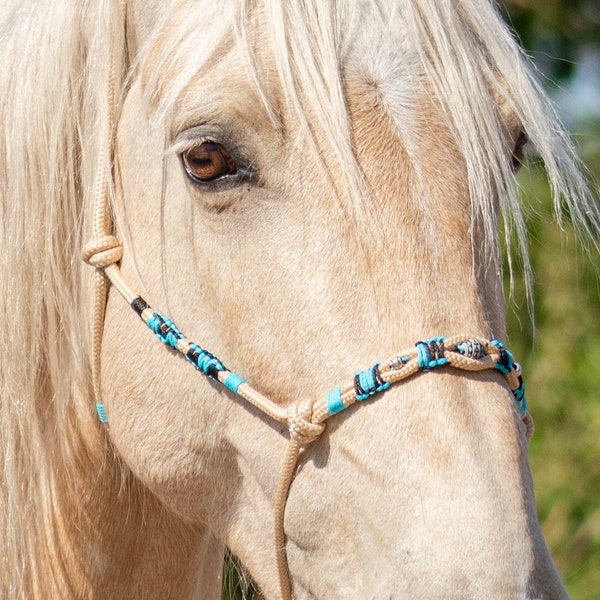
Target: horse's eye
column 518, row 152
column 208, row 161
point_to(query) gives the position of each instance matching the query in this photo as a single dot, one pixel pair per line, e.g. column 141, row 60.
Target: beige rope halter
column 305, row 420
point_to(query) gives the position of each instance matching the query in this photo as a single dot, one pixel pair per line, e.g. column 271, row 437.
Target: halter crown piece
column 305, row 420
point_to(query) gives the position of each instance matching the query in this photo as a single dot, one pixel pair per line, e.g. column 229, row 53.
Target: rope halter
column 103, row 252
column 305, row 420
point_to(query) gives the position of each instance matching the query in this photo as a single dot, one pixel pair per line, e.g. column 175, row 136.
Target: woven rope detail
column 301, row 422
column 103, row 251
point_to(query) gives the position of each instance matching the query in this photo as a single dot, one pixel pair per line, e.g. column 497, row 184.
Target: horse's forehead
column 367, row 41
column 382, row 60
column 370, row 51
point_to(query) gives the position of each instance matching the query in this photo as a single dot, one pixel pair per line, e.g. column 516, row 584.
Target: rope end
column 101, row 413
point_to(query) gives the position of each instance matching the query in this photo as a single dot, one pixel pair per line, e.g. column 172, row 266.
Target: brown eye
column 518, row 152
column 207, row 162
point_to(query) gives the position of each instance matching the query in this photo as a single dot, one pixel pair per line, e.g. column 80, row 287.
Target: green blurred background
column 561, row 354
column 561, row 358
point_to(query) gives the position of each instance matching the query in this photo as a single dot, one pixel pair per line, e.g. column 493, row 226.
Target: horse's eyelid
column 179, row 147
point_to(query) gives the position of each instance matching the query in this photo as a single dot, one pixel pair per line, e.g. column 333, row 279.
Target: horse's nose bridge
column 429, row 465
column 410, row 279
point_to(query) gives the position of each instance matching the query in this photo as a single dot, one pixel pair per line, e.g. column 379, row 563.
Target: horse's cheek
column 145, row 394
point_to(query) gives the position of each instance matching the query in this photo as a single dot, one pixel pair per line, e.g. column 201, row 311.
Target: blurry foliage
column 554, row 31
column 561, row 361
column 561, row 357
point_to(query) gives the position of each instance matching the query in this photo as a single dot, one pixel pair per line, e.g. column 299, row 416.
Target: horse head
column 305, row 189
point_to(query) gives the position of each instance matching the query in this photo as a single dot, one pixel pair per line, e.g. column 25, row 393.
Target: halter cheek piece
column 305, row 420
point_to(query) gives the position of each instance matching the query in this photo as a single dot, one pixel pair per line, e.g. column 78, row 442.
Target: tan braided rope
column 104, row 250
column 305, row 420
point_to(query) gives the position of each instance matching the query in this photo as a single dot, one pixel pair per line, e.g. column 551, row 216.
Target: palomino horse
column 304, row 188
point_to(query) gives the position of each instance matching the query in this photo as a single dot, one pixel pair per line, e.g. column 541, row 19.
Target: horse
column 304, row 188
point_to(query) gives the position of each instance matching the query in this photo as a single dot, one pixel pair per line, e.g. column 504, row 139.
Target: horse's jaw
column 453, row 516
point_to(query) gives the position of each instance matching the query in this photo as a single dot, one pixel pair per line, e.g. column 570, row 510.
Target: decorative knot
column 529, row 425
column 302, row 427
column 431, row 354
column 103, row 252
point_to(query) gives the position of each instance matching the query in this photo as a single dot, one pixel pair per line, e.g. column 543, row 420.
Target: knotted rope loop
column 103, row 252
column 303, row 429
column 529, row 424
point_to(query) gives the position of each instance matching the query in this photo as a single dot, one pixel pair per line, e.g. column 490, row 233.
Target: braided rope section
column 306, row 420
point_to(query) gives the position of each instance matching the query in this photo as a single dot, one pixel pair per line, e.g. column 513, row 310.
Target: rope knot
column 301, row 424
column 529, row 425
column 103, row 252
